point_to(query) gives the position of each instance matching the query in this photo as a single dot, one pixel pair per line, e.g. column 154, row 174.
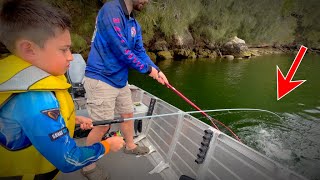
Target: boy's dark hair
column 34, row 20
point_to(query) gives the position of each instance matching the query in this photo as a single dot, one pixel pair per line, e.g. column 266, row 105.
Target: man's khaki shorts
column 104, row 100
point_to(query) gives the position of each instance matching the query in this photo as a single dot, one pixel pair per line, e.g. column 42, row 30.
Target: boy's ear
column 26, row 49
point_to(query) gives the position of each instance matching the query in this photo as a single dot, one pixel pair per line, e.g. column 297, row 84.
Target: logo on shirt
column 133, row 32
column 116, row 20
column 56, row 135
column 95, row 31
column 52, row 113
column 94, row 34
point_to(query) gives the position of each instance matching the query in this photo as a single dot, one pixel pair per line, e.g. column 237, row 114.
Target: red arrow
column 285, row 84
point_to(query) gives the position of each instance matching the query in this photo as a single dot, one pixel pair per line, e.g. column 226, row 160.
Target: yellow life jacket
column 17, row 76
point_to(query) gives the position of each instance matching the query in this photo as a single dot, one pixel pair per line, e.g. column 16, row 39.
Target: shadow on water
column 292, row 140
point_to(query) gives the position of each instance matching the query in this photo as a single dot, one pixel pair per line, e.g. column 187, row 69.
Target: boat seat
column 75, row 75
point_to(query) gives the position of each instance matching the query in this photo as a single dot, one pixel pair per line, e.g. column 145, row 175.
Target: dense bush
column 78, row 43
column 257, row 22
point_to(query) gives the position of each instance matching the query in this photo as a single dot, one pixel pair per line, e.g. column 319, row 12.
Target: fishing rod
column 120, row 120
column 192, row 104
column 202, row 112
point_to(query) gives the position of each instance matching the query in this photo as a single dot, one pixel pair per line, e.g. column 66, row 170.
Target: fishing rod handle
column 104, row 122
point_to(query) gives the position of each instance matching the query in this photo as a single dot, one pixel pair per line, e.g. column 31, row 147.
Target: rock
column 245, row 54
column 213, row 55
column 254, row 52
column 171, row 52
column 264, row 51
column 200, row 44
column 160, row 45
column 206, row 53
column 229, row 57
column 237, row 48
column 152, row 56
column 163, row 55
column 277, row 46
column 184, row 39
column 211, row 46
column 236, row 40
column 192, row 55
column 184, row 54
column 178, row 40
column 180, row 53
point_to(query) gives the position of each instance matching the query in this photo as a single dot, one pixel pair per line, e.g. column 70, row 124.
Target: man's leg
column 101, row 99
column 95, row 136
column 127, row 130
column 124, row 106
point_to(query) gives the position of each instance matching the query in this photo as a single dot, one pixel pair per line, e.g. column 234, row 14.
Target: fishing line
column 120, row 120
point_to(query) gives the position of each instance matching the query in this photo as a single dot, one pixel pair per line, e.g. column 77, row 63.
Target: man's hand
column 116, row 143
column 159, row 76
column 162, row 78
column 85, row 123
column 153, row 73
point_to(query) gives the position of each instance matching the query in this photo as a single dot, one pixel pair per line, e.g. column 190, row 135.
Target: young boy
column 37, row 115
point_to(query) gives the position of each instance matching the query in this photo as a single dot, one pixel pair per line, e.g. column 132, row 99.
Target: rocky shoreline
column 236, row 48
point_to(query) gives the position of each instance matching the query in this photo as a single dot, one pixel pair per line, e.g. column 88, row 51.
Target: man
column 116, row 46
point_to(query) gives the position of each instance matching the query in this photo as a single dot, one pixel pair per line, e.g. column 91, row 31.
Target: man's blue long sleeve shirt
column 117, row 46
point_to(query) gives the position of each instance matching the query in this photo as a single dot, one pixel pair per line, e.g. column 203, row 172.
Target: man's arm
column 111, row 29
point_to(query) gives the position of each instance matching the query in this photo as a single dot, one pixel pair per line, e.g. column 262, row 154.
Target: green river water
column 293, row 140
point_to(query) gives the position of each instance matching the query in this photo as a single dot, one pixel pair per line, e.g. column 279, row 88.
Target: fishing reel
column 111, row 134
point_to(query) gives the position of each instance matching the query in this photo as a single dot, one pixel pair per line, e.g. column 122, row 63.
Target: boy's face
column 55, row 56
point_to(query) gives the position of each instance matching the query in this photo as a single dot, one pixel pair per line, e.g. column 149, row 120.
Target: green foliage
column 147, row 19
column 307, row 15
column 257, row 22
column 287, row 7
column 168, row 17
column 83, row 14
column 78, row 43
column 254, row 21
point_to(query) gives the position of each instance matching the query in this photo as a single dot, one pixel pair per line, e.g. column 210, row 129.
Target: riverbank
column 203, row 52
column 235, row 48
column 196, row 29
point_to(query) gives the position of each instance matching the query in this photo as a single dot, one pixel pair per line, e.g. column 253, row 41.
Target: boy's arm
column 111, row 28
column 41, row 121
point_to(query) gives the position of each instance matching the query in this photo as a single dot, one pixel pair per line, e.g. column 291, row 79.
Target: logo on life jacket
column 52, row 113
column 56, row 135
